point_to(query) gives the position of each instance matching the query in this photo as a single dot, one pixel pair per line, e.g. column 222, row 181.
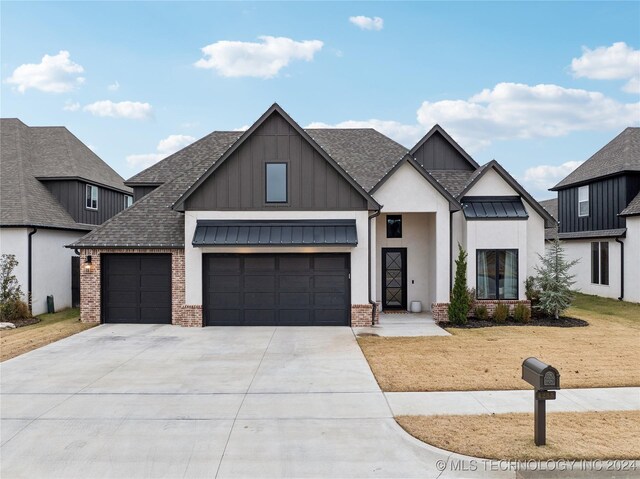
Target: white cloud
column 166, row 147
column 251, row 59
column 114, row 86
column 512, row 111
column 71, row 106
column 544, row 177
column 367, row 23
column 133, row 110
column 617, row 62
column 54, row 74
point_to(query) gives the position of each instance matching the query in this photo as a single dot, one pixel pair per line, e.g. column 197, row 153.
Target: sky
column 539, row 87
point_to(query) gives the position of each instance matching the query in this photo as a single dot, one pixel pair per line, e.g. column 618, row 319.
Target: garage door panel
column 260, row 284
column 276, row 289
column 259, row 300
column 136, row 288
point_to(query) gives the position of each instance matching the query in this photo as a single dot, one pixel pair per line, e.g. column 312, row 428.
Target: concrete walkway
column 496, row 402
column 163, row 401
column 404, row 324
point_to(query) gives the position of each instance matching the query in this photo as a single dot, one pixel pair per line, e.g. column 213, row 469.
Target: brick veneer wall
column 361, row 315
column 440, row 311
column 90, row 288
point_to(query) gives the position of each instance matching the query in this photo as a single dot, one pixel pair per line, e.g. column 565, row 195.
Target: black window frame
column 497, row 269
column 600, row 262
column 88, row 197
column 286, row 183
column 391, row 234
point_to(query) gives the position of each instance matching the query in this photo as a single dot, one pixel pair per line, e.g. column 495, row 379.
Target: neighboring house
column 53, row 190
column 598, row 209
column 284, row 226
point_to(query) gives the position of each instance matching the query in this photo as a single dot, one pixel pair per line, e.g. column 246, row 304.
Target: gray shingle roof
column 551, row 206
column 43, row 152
column 364, row 153
column 454, row 181
column 633, row 208
column 613, row 233
column 187, row 158
column 620, row 154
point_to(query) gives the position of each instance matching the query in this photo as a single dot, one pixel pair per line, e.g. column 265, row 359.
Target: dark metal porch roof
column 494, row 208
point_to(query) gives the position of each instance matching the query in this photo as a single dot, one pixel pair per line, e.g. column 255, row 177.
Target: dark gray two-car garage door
column 276, row 289
column 136, row 288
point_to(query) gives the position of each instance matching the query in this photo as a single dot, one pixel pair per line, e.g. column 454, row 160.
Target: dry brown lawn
column 579, row 435
column 51, row 328
column 604, row 354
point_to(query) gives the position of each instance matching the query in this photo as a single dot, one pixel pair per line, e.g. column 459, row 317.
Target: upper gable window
column 128, row 201
column 394, row 226
column 92, row 197
column 583, row 201
column 276, row 183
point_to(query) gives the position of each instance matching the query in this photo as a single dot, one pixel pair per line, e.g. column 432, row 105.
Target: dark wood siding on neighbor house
column 72, row 195
column 438, row 154
column 239, row 183
column 142, row 191
column 607, row 198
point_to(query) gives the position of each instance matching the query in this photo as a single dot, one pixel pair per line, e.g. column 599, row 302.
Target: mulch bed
column 25, row 322
column 563, row 322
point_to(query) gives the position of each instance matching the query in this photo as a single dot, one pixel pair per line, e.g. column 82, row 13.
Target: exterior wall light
column 87, row 264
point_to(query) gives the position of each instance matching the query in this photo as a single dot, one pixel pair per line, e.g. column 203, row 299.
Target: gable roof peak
column 436, row 128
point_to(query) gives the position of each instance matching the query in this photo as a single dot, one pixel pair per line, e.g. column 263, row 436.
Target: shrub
column 532, row 291
column 501, row 313
column 481, row 312
column 11, row 305
column 555, row 281
column 460, row 304
column 521, row 313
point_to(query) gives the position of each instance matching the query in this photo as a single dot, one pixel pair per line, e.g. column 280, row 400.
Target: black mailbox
column 540, row 375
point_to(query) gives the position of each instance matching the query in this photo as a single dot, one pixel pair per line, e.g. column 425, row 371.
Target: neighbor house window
column 583, row 201
column 394, row 226
column 92, row 197
column 128, row 201
column 276, row 183
column 600, row 262
column 497, row 274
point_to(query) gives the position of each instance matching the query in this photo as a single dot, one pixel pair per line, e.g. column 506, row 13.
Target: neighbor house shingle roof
column 28, row 153
column 551, row 206
column 620, row 154
column 633, row 208
column 613, row 233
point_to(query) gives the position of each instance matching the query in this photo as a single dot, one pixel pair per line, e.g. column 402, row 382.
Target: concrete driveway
column 164, row 401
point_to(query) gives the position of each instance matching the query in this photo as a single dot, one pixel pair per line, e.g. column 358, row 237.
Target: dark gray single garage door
column 136, row 288
column 276, row 289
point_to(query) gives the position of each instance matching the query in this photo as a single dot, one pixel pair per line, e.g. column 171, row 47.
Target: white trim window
column 92, row 197
column 128, row 201
column 583, row 201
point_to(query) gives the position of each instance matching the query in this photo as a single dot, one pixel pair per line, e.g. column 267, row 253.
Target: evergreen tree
column 555, row 280
column 460, row 301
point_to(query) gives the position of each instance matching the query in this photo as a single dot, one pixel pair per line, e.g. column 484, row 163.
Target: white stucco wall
column 527, row 236
column 407, row 191
column 417, row 229
column 632, row 260
column 359, row 258
column 581, row 250
column 51, row 274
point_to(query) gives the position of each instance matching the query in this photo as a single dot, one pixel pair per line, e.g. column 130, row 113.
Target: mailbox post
column 545, row 379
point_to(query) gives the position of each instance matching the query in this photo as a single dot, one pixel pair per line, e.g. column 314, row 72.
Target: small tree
column 555, row 280
column 460, row 301
column 10, row 291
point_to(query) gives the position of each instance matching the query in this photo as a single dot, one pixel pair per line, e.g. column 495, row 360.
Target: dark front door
column 394, row 278
column 75, row 281
column 276, row 289
column 136, row 288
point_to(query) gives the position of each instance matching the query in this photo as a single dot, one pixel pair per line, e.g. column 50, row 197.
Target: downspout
column 373, row 304
column 618, row 240
column 29, row 267
column 450, row 253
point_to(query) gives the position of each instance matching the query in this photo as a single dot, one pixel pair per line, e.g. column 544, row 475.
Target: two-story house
column 598, row 209
column 53, row 190
column 281, row 225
